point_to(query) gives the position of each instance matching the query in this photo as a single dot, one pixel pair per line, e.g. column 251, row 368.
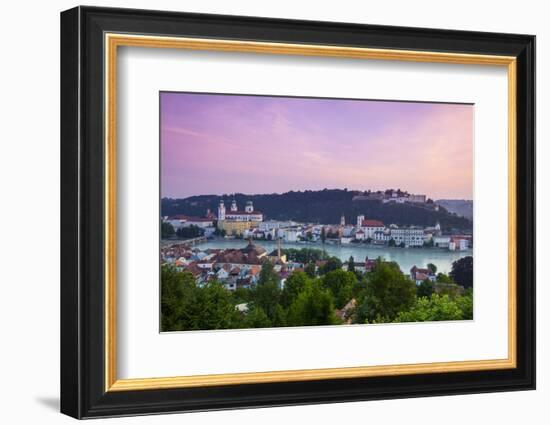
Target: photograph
column 280, row 211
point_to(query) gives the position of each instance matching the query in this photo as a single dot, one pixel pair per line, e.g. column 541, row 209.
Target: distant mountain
column 461, row 207
column 321, row 206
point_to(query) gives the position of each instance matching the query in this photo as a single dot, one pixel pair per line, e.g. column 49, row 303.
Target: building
column 408, row 236
column 235, row 222
column 382, row 236
column 441, row 241
column 290, row 234
column 369, row 227
column 269, row 225
column 364, row 267
column 459, row 243
column 419, row 275
column 417, row 199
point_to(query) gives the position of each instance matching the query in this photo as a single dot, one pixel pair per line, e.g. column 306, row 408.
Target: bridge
column 193, row 241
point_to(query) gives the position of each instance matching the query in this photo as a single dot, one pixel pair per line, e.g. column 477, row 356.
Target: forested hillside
column 322, row 206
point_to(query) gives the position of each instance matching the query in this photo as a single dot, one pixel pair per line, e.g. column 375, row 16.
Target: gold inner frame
column 113, row 41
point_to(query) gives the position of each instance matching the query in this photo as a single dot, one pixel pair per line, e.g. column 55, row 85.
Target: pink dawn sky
column 218, row 144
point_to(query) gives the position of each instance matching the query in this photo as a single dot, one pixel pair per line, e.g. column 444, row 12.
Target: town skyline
column 226, row 144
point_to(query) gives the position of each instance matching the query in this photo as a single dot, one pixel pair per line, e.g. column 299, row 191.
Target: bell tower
column 221, row 212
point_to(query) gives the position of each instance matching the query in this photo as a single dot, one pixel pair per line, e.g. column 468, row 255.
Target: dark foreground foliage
column 308, row 299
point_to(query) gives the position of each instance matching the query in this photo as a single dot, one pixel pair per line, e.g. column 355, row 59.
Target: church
column 235, row 222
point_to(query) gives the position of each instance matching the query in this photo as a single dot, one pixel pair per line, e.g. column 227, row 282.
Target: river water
column 405, row 257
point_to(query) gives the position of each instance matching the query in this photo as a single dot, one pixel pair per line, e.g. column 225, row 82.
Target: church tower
column 342, row 220
column 233, row 206
column 249, row 207
column 221, row 213
column 360, row 219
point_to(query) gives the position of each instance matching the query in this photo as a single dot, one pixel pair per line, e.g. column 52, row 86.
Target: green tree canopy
column 310, row 269
column 435, row 308
column 314, row 306
column 425, row 289
column 351, row 264
column 340, row 283
column 305, row 255
column 296, row 283
column 267, row 294
column 333, row 263
column 463, row 271
column 387, row 293
column 166, row 230
column 184, row 306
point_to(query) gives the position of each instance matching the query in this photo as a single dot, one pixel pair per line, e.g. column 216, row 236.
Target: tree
column 443, row 278
column 435, row 308
column 314, row 306
column 463, row 271
column 333, row 263
column 166, row 230
column 466, row 304
column 340, row 283
column 310, row 270
column 305, row 255
column 391, row 242
column 256, row 318
column 220, row 232
column 432, row 267
column 184, row 306
column 296, row 283
column 323, row 235
column 190, row 232
column 387, row 293
column 267, row 293
column 351, row 264
column 425, row 289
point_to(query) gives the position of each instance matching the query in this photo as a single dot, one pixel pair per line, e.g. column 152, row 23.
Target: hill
column 461, row 207
column 321, row 206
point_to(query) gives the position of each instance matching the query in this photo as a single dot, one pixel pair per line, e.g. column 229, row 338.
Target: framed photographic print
column 261, row 212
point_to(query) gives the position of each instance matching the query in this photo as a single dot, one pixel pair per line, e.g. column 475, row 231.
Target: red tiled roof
column 372, row 223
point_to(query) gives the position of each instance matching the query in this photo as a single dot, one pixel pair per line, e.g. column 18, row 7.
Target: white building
column 442, row 241
column 458, row 244
column 235, row 215
column 382, row 236
column 409, row 236
column 290, row 234
column 369, row 227
column 275, row 224
column 420, row 199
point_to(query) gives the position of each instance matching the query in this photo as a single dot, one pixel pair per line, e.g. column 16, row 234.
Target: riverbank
column 405, row 257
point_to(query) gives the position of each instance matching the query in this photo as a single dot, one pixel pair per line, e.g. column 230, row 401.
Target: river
column 405, row 257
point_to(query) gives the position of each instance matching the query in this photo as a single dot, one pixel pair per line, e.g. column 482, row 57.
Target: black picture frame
column 82, row 212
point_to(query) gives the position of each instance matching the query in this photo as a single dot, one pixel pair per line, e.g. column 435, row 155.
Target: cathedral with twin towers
column 235, row 221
